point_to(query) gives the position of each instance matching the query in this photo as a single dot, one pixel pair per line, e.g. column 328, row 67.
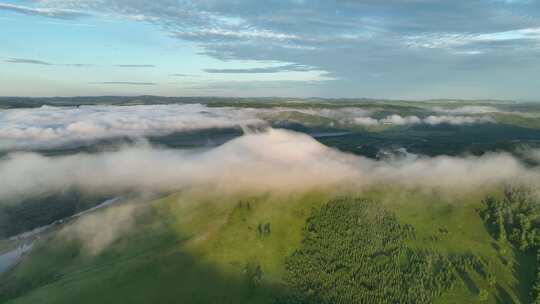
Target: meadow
column 195, row 248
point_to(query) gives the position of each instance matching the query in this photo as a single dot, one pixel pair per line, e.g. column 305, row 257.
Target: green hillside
column 191, row 248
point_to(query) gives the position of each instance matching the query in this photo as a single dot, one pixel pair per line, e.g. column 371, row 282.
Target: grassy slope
column 466, row 234
column 196, row 251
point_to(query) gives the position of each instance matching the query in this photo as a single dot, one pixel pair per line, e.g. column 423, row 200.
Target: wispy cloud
column 28, row 61
column 135, row 66
column 125, row 83
column 275, row 69
column 183, row 75
column 78, row 65
column 221, row 33
column 452, row 40
column 44, row 12
column 41, row 62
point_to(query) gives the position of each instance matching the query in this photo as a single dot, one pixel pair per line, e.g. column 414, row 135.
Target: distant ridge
column 32, row 102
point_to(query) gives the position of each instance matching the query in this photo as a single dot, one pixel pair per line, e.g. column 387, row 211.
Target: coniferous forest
column 355, row 251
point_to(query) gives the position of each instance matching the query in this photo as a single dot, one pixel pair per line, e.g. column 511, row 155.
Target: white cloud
column 456, row 120
column 399, row 120
column 54, row 126
column 97, row 230
column 365, row 121
column 534, row 155
column 275, row 160
column 466, row 110
column 353, row 34
column 45, row 12
column 452, row 40
column 238, row 34
column 336, row 113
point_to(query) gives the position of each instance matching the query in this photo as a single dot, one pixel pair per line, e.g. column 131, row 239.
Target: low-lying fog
column 273, row 159
column 48, row 126
column 263, row 159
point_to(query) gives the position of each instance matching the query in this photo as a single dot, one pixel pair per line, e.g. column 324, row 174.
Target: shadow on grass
column 161, row 272
column 502, row 296
column 524, row 271
column 471, row 286
column 149, row 264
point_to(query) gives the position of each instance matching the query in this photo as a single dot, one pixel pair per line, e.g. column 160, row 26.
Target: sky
column 399, row 49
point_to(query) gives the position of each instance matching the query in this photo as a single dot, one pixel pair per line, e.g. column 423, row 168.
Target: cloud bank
column 56, row 126
column 47, row 126
column 433, row 120
column 466, row 110
column 274, row 160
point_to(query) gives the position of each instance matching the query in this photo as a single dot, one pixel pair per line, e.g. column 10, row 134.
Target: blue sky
column 410, row 49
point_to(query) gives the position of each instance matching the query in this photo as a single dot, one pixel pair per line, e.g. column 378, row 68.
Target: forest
column 356, row 251
column 515, row 218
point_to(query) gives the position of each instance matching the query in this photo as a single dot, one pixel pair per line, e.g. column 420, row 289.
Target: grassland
column 195, row 248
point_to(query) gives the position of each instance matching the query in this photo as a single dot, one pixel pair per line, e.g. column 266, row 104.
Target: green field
column 195, row 248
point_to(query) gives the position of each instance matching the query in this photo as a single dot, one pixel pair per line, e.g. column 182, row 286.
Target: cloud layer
column 274, row 160
column 466, row 110
column 55, row 126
